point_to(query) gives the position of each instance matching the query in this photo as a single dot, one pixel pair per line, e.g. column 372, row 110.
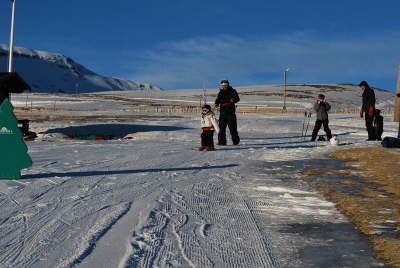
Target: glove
column 371, row 110
column 225, row 104
column 362, row 113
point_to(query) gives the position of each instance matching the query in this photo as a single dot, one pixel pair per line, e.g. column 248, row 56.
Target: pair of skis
column 306, row 123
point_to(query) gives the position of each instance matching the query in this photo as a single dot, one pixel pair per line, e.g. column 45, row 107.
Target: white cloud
column 251, row 60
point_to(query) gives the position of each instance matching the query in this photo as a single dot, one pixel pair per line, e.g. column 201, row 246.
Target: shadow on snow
column 294, row 137
column 116, row 130
column 117, row 172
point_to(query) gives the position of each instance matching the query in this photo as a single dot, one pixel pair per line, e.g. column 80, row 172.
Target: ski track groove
column 202, row 248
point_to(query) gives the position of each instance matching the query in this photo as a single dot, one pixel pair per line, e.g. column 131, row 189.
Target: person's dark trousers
column 370, row 128
column 317, row 127
column 230, row 121
column 207, row 138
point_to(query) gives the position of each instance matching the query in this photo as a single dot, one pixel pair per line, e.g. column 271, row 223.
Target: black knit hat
column 224, row 82
column 364, row 83
column 321, row 96
column 206, row 107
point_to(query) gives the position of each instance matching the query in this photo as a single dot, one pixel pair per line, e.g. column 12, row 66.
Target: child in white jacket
column 209, row 124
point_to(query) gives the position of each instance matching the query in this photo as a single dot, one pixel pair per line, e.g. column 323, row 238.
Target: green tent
column 13, row 152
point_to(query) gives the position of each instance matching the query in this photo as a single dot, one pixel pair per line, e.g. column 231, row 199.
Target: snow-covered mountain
column 52, row 72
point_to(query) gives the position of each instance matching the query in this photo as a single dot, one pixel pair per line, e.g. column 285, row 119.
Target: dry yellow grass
column 377, row 202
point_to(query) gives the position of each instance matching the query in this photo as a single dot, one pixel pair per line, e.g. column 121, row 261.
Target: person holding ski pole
column 208, row 124
column 321, row 107
column 226, row 100
column 368, row 107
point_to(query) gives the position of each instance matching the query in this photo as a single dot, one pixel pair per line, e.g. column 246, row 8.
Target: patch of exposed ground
column 367, row 188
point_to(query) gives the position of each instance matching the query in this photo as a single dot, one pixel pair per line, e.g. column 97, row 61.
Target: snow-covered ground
column 155, row 201
column 299, row 98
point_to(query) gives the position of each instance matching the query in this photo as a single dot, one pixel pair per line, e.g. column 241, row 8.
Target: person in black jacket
column 321, row 107
column 368, row 108
column 227, row 97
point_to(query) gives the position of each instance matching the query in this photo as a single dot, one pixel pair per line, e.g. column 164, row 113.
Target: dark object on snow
column 24, row 125
column 321, row 138
column 390, row 142
column 227, row 117
column 11, row 83
column 30, row 136
column 90, row 137
column 378, row 124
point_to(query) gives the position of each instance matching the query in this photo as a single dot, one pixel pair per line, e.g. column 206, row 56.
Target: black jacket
column 368, row 98
column 224, row 100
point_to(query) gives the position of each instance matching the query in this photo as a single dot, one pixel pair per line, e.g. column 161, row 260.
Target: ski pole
column 308, row 124
column 304, row 123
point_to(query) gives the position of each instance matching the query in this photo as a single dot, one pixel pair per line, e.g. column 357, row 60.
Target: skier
column 378, row 124
column 227, row 97
column 368, row 107
column 208, row 124
column 322, row 108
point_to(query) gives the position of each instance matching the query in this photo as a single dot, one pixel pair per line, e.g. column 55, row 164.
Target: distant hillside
column 299, row 96
column 51, row 72
column 339, row 95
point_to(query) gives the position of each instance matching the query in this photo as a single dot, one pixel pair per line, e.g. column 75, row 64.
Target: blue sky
column 181, row 43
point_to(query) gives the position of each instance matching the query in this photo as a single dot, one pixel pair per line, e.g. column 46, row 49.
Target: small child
column 322, row 108
column 378, row 124
column 208, row 124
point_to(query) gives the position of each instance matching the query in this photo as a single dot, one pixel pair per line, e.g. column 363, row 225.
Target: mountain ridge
column 56, row 73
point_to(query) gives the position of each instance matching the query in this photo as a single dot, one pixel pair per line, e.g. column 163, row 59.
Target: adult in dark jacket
column 227, row 97
column 368, row 108
column 321, row 107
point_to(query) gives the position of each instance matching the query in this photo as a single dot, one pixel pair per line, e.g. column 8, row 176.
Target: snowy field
column 299, row 97
column 155, row 201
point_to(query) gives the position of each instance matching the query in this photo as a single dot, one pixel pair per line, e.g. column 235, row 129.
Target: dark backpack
column 390, row 142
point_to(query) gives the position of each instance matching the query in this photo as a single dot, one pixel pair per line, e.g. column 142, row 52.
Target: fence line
column 240, row 109
column 255, row 109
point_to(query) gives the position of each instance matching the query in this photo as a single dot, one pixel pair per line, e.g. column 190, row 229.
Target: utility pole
column 397, row 103
column 11, row 47
column 284, row 94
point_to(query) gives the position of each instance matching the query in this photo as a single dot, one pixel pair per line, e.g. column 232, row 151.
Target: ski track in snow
column 229, row 208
